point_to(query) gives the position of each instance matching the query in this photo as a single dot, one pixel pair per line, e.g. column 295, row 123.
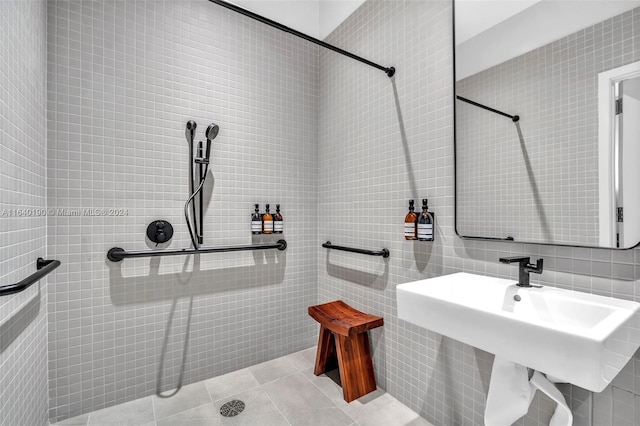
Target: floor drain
column 232, row 408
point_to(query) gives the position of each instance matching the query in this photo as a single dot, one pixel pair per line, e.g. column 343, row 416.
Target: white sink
column 574, row 337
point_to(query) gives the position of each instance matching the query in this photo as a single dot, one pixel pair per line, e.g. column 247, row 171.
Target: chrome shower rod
column 390, row 71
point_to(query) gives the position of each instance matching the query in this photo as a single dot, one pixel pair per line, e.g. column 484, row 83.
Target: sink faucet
column 525, row 268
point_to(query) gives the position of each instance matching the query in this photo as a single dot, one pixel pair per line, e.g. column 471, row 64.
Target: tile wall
column 23, row 203
column 332, row 136
column 554, row 90
column 383, row 142
column 124, row 79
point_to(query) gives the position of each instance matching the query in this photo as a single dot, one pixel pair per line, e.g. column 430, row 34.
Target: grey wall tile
column 124, row 79
column 624, row 410
column 384, row 142
column 23, row 202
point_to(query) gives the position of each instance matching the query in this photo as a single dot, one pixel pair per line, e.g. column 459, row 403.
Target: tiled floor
column 279, row 392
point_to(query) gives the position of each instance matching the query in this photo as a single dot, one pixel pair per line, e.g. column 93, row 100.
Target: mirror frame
column 455, row 169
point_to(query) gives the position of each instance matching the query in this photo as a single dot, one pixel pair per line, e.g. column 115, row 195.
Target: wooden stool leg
column 326, row 351
column 356, row 366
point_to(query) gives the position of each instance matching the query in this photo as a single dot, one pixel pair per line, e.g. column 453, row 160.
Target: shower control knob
column 159, row 231
column 161, row 237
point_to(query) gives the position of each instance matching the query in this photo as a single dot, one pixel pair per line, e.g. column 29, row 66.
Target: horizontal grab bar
column 43, row 267
column 384, row 252
column 488, row 238
column 116, row 254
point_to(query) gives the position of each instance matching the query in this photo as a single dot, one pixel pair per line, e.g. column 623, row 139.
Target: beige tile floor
column 279, row 392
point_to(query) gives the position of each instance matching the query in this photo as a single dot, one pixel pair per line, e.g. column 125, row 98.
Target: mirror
column 547, row 109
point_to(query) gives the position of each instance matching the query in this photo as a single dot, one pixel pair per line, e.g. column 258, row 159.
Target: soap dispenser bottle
column 267, row 221
column 278, row 222
column 410, row 221
column 256, row 221
column 425, row 223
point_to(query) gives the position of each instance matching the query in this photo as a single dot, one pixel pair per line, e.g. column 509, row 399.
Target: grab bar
column 488, row 238
column 43, row 267
column 384, row 252
column 116, row 254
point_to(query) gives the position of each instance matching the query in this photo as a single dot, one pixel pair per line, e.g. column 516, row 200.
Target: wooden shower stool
column 343, row 335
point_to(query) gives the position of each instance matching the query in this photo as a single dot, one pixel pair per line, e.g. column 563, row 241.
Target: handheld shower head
column 190, row 131
column 195, row 223
column 211, row 133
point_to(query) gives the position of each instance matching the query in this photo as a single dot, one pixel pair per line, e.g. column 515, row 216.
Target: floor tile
column 393, row 414
column 230, row 384
column 272, row 370
column 188, row 397
column 303, row 360
column 362, row 408
column 204, row 415
column 321, row 416
column 189, row 422
column 327, row 385
column 259, row 411
column 138, row 412
column 290, row 395
column 74, row 421
column 419, row 421
column 296, row 397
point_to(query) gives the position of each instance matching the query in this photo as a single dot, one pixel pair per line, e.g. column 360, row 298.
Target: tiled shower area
column 129, row 75
column 279, row 392
column 94, row 97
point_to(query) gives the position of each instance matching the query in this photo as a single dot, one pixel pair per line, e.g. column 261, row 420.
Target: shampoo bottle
column 256, row 221
column 278, row 223
column 425, row 223
column 267, row 221
column 410, row 221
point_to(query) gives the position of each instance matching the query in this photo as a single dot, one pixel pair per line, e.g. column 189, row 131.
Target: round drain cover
column 232, row 408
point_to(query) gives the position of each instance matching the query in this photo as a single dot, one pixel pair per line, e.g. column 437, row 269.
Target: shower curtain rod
column 514, row 118
column 390, row 71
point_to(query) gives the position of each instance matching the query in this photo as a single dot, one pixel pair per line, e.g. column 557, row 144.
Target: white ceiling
column 498, row 30
column 488, row 32
column 476, row 16
column 317, row 18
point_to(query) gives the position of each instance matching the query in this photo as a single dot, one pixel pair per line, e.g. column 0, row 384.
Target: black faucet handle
column 524, row 267
column 537, row 268
column 516, row 259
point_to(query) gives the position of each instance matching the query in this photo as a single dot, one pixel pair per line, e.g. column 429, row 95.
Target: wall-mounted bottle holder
column 160, row 231
column 267, row 223
column 416, row 227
